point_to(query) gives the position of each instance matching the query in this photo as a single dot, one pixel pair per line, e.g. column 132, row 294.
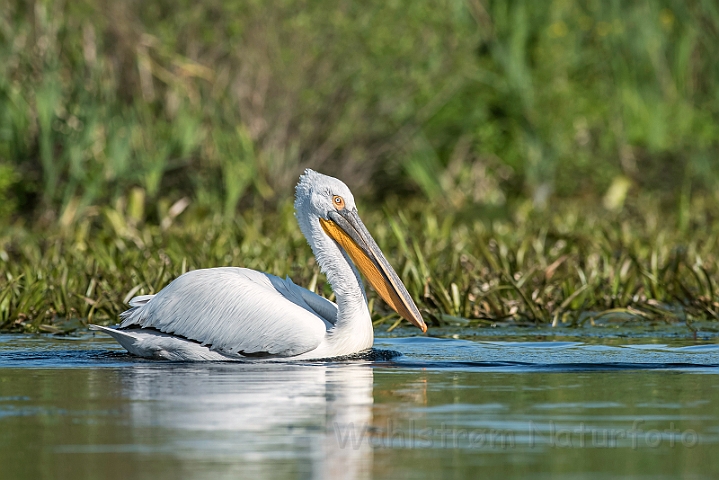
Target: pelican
column 231, row 313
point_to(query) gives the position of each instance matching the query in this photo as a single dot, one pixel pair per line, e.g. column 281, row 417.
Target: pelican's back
column 235, row 311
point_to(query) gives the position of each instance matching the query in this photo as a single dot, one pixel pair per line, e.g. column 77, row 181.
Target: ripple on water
column 514, row 407
column 42, row 351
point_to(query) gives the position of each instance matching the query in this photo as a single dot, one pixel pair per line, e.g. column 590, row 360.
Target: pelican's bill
column 346, row 228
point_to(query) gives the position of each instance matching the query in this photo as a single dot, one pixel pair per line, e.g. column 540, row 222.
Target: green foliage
column 566, row 268
column 478, row 102
column 570, row 146
column 8, row 177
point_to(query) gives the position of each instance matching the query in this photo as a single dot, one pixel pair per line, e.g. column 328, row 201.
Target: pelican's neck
column 353, row 330
column 344, row 279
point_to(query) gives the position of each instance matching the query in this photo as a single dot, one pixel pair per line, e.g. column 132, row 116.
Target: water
column 501, row 404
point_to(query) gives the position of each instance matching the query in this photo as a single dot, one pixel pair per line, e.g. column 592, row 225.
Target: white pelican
column 231, row 313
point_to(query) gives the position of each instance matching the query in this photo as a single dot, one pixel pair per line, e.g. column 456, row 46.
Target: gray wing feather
column 233, row 310
column 140, row 300
column 306, row 299
column 323, row 307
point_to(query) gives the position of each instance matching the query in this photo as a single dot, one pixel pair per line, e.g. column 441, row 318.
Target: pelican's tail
column 123, row 337
column 150, row 343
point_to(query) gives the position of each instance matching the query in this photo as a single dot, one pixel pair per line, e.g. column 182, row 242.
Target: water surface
column 500, row 404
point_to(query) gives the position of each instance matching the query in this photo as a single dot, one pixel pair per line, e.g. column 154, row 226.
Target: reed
column 484, row 102
column 569, row 267
column 520, row 161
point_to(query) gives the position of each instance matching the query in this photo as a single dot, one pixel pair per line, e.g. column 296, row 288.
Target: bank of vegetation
column 520, row 161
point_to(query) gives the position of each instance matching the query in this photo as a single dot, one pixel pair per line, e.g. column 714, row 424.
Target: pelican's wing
column 304, row 298
column 322, row 306
column 233, row 310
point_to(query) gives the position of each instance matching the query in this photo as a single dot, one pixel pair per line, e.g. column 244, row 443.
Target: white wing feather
column 237, row 311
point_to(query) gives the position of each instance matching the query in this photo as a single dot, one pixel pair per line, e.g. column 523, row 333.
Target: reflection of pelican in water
column 233, row 313
column 258, row 419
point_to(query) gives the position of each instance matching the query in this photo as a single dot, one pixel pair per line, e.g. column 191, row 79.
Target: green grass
column 568, row 267
column 483, row 102
column 520, row 161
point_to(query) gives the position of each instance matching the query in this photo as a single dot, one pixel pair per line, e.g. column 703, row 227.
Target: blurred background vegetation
column 123, row 114
column 469, row 103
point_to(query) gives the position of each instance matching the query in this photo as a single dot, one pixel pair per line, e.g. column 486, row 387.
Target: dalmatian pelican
column 231, row 313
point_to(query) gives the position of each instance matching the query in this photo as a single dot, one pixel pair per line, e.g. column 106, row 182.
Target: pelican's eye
column 338, row 201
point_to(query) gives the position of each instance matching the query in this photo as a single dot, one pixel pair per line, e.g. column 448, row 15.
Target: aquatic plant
column 567, row 267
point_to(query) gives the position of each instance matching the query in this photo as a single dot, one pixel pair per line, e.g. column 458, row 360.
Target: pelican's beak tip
column 420, row 324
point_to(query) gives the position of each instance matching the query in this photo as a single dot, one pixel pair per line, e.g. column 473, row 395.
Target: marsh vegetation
column 518, row 162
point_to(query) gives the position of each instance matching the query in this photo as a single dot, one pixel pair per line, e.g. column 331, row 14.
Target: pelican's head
column 327, row 201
